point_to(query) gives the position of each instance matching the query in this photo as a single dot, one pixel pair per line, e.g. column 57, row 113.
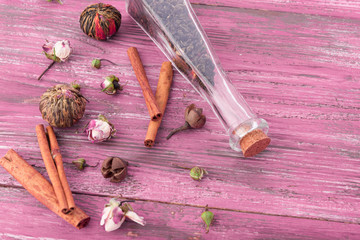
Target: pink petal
column 117, row 214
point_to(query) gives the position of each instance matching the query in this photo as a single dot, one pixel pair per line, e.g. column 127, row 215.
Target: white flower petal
column 105, row 215
column 136, row 218
column 111, row 226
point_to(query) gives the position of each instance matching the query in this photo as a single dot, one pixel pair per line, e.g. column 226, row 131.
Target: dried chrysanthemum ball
column 62, row 105
column 100, row 21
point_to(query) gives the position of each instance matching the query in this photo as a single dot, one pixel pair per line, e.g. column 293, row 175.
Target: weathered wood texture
column 298, row 67
column 164, row 221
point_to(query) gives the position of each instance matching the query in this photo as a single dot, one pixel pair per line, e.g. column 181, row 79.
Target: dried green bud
column 197, row 173
column 114, row 168
column 207, row 217
column 96, row 63
column 76, row 86
column 194, row 116
column 80, row 163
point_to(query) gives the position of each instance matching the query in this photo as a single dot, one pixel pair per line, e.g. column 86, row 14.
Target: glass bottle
column 175, row 29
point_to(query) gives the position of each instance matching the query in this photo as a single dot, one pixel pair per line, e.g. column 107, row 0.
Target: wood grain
column 296, row 67
column 164, row 221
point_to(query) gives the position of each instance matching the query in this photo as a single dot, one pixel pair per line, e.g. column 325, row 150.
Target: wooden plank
column 299, row 72
column 336, row 8
column 28, row 219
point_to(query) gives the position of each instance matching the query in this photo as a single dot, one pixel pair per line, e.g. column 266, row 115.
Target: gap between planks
column 195, row 206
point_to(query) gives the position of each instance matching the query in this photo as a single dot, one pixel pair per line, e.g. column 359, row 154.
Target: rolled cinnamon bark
column 40, row 188
column 51, row 168
column 139, row 70
column 55, row 152
column 161, row 96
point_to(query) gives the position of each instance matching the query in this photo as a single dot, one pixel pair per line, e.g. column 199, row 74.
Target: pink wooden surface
column 296, row 64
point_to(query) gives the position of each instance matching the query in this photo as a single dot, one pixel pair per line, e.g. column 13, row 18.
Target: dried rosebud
column 110, row 85
column 207, row 217
column 59, row 51
column 80, row 163
column 194, row 116
column 114, row 168
column 96, row 63
column 99, row 130
column 197, row 173
column 193, row 119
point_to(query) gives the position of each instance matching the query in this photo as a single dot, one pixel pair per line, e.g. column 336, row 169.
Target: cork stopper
column 254, row 142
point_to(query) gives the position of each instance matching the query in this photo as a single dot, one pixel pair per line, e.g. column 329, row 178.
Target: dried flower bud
column 59, row 51
column 110, row 85
column 114, row 168
column 197, row 173
column 80, row 163
column 207, row 217
column 99, row 130
column 96, row 63
column 193, row 119
column 194, row 116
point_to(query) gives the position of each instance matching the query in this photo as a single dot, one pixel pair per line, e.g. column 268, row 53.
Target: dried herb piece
column 193, row 119
column 114, row 168
column 207, row 217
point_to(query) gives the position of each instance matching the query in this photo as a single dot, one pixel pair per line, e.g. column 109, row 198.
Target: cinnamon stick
column 139, row 70
column 50, row 168
column 161, row 96
column 55, row 151
column 40, row 188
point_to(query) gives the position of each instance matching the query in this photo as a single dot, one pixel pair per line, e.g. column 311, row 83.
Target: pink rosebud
column 57, row 52
column 62, row 50
column 48, row 47
column 99, row 130
column 110, row 85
